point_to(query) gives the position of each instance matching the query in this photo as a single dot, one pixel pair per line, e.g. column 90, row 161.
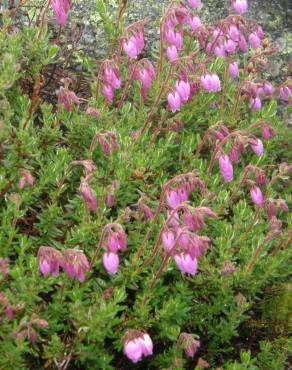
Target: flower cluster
column 178, row 235
column 179, row 96
column 74, row 263
column 144, row 72
column 133, row 40
column 110, row 77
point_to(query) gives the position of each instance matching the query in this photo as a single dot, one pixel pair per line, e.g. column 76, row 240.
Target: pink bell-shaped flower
column 242, row 44
column 174, row 101
column 111, row 262
column 254, row 40
column 146, row 345
column 168, row 240
column 171, row 53
column 130, row 48
column 211, row 83
column 108, row 93
column 240, row 6
column 186, row 264
column 257, row 196
column 183, row 88
column 233, row 70
column 173, row 198
column 255, row 103
column 258, row 147
column 133, row 350
column 195, row 23
column 226, row 168
column 195, row 4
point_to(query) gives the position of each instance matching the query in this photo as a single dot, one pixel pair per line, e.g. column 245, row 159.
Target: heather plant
column 145, row 221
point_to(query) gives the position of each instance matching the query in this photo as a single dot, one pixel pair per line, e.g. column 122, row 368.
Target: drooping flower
column 117, row 241
column 257, row 147
column 130, row 49
column 234, row 155
column 8, row 309
column 168, row 240
column 133, row 350
column 134, row 46
column 268, row 88
column 211, row 82
column 257, row 196
column 67, row 97
column 227, row 269
column 233, row 33
column 137, row 345
column 111, row 262
column 233, row 70
column 195, row 23
column 50, row 260
column 254, row 40
column 171, row 53
column 146, row 345
column 25, row 178
column 75, row 264
column 186, row 264
column 173, row 199
column 61, row 9
column 88, row 195
column 240, row 6
column 111, row 78
column 242, row 44
column 108, row 93
column 195, row 4
column 226, row 168
column 174, row 38
column 230, row 46
column 267, row 132
column 285, row 92
column 255, row 103
column 189, row 344
column 219, row 51
column 183, row 88
column 91, row 111
column 260, row 32
column 174, row 101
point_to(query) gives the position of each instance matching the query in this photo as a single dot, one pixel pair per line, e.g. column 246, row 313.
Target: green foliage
column 87, row 321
